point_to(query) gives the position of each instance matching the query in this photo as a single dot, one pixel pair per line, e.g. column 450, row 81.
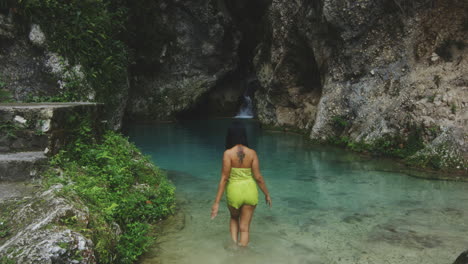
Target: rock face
column 381, row 66
column 23, row 71
column 30, row 71
column 36, row 231
column 197, row 53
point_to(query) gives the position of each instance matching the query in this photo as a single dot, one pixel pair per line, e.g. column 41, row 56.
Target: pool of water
column 329, row 205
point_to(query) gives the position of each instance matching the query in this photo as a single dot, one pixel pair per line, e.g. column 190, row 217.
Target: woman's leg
column 234, row 222
column 244, row 225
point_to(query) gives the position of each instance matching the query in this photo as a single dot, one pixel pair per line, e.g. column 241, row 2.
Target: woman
column 239, row 163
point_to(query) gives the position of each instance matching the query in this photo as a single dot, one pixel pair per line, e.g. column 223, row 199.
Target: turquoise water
column 329, row 205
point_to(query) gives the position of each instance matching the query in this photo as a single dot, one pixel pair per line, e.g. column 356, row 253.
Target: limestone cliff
column 196, row 50
column 369, row 70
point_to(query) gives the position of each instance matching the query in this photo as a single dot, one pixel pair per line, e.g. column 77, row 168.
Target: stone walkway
column 29, row 133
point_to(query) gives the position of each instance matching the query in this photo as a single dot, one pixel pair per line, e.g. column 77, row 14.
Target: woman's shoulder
column 234, row 150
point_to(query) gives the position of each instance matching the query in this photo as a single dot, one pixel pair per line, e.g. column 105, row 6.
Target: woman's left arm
column 222, row 184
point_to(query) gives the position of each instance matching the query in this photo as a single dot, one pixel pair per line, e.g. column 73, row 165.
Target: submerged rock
column 462, row 259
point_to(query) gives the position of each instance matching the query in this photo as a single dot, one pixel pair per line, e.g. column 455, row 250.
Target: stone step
column 21, row 166
column 17, row 190
column 41, row 126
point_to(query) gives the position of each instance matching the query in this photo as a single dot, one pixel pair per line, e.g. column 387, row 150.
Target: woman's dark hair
column 236, row 134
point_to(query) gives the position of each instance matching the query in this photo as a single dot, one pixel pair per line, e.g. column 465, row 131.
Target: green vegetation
column 340, row 122
column 86, row 33
column 400, row 146
column 4, row 229
column 9, row 129
column 453, row 108
column 64, row 96
column 5, row 95
column 434, row 131
column 2, row 83
column 428, row 161
column 431, row 98
column 7, row 260
column 119, row 185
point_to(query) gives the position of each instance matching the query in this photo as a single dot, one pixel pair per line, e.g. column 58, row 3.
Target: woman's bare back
column 241, row 156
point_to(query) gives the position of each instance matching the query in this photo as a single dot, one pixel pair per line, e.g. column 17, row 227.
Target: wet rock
column 295, row 203
column 401, row 236
column 356, row 218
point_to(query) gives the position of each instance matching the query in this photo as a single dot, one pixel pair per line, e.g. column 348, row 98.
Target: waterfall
column 246, row 110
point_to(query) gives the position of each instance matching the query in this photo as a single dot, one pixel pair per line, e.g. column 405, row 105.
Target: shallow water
column 329, row 205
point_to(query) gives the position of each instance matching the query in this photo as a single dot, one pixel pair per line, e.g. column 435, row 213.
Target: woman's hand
column 268, row 200
column 214, row 210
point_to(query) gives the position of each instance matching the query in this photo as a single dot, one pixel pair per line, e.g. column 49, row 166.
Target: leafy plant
column 4, row 229
column 431, row 98
column 119, row 185
column 453, row 108
column 340, row 122
column 9, row 129
column 7, row 260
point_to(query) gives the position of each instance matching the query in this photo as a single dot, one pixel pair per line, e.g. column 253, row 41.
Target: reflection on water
column 329, row 206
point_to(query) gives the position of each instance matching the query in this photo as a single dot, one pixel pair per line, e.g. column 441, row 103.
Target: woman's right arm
column 259, row 178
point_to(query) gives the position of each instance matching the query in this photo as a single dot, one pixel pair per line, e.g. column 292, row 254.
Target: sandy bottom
column 300, row 230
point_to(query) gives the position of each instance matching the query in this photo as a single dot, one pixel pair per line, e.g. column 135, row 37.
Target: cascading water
column 246, row 110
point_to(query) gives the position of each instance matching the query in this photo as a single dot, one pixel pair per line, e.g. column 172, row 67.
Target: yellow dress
column 241, row 188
